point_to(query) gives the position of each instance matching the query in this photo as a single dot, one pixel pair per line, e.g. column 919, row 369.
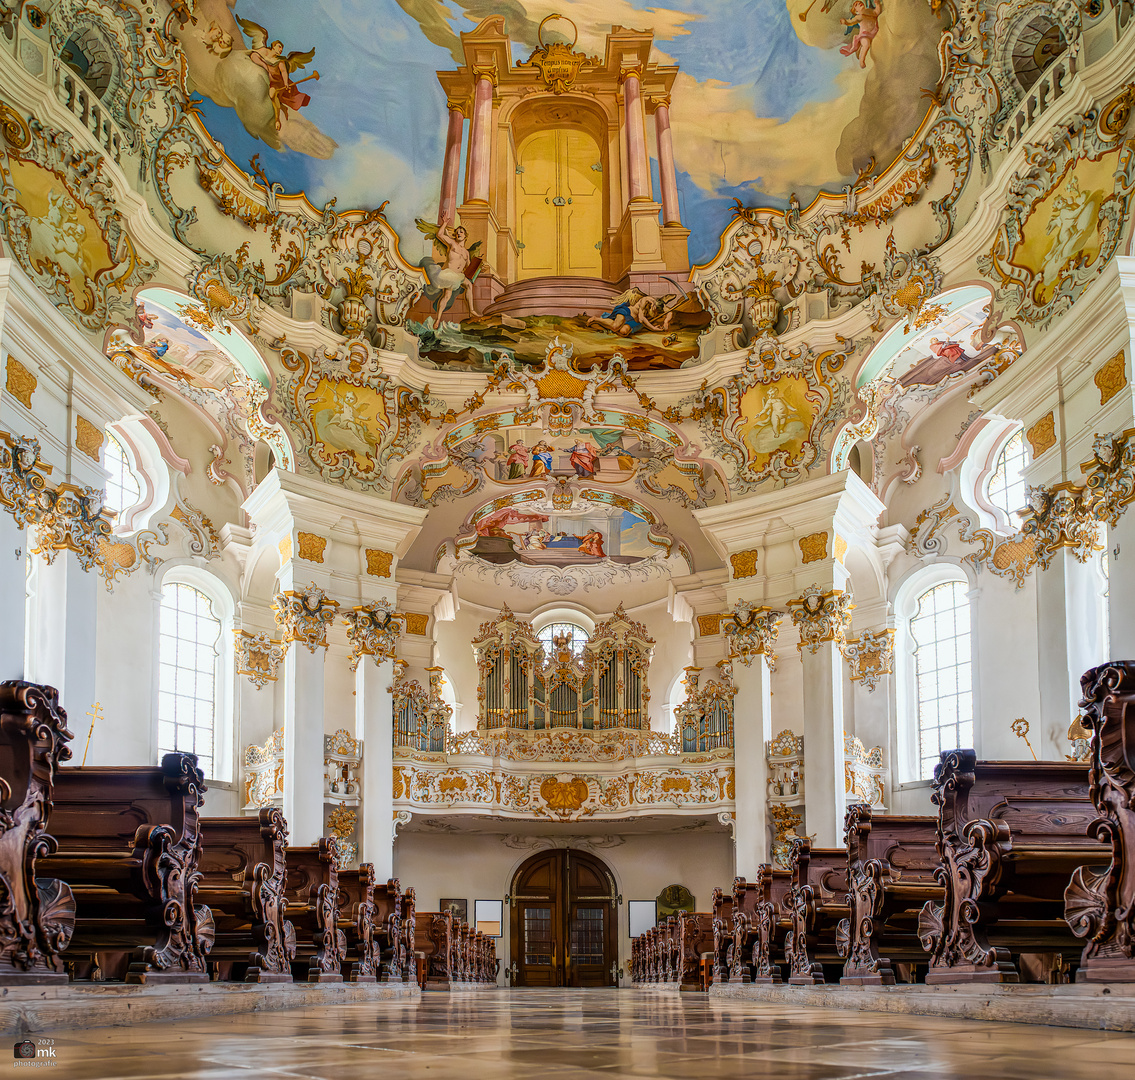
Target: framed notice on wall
column 488, row 916
column 459, row 909
column 642, row 915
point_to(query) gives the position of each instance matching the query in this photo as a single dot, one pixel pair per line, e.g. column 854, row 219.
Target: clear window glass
column 576, row 635
column 122, row 488
column 943, row 673
column 187, row 681
column 1006, row 487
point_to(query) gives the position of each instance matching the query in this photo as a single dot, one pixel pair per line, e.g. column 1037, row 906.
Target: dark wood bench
column 433, row 937
column 242, row 880
column 816, row 905
column 1010, row 834
column 39, row 916
column 695, row 936
column 312, row 893
column 771, row 922
column 406, row 943
column 388, row 901
column 129, row 843
column 892, row 862
column 358, row 922
column 722, row 909
column 1099, row 902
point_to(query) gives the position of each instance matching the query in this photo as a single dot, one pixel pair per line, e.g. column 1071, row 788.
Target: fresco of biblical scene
column 945, row 344
column 536, row 538
column 62, row 232
column 559, row 174
column 604, row 455
column 182, row 342
column 347, row 419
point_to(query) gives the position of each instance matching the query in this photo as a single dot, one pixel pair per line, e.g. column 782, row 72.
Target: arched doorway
column 564, row 921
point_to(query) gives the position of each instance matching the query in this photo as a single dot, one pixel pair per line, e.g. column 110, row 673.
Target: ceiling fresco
column 563, row 276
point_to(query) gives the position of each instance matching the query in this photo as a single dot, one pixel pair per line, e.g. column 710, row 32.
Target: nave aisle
column 523, row 1034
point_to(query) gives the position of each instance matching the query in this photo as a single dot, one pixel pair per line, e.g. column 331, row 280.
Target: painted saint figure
column 591, row 543
column 866, row 20
column 947, row 358
column 635, row 311
column 584, row 459
column 541, row 459
column 517, row 460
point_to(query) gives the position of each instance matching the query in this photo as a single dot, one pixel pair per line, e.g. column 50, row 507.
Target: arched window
column 1005, row 488
column 122, row 488
column 190, row 695
column 577, row 636
column 941, row 709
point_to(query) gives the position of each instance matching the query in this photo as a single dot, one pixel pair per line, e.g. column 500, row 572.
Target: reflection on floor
column 584, row 1033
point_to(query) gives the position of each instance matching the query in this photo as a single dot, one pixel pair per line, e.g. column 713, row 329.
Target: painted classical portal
column 557, row 170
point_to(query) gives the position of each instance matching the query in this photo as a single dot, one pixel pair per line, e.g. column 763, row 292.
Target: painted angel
column 283, row 92
column 866, row 21
column 462, row 264
column 257, row 80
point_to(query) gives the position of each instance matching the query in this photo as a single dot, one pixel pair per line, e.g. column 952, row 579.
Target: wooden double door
column 564, row 921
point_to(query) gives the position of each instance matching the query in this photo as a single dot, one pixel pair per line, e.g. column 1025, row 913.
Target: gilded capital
column 304, row 616
column 258, row 656
column 23, row 480
column 631, row 73
column 485, row 71
column 76, row 521
column 373, row 630
column 1061, row 517
column 752, row 631
column 821, row 616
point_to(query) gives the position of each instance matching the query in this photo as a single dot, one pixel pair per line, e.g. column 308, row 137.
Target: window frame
column 979, row 465
column 125, row 513
column 907, row 730
column 1005, row 517
column 224, row 608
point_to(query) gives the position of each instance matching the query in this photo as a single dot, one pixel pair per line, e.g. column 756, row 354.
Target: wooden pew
column 744, row 897
column 358, row 922
column 388, row 918
column 816, row 904
column 722, row 907
column 406, row 946
column 242, row 881
column 1010, row 835
column 40, row 917
column 1099, row 902
column 694, row 937
column 892, row 863
column 434, row 936
column 312, row 893
column 129, row 843
column 771, row 922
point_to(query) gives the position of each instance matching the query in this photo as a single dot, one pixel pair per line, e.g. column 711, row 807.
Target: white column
column 66, row 625
column 13, row 578
column 1121, row 587
column 1072, row 639
column 303, row 743
column 374, row 725
column 823, row 742
column 752, row 732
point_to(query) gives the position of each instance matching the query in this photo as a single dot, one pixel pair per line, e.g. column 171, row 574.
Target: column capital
column 631, row 73
column 459, row 105
column 485, row 71
column 821, row 616
column 752, row 631
column 259, row 656
column 871, row 656
column 305, row 615
column 654, row 102
column 373, row 630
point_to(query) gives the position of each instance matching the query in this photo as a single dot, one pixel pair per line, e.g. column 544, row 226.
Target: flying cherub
column 283, row 92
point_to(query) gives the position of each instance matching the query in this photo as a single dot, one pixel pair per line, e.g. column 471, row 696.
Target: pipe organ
column 705, row 718
column 520, row 688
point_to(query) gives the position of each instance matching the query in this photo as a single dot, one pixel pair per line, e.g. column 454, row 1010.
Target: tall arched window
column 122, row 488
column 939, row 628
column 189, row 691
column 1006, row 486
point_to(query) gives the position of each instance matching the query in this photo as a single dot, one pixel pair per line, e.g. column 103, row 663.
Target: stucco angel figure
column 258, row 81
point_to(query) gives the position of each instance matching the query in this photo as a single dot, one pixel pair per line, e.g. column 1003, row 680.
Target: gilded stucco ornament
column 304, row 616
column 821, row 616
column 373, row 630
column 871, row 656
column 1057, row 518
column 23, row 480
column 227, row 284
column 75, row 522
column 258, row 656
column 752, row 631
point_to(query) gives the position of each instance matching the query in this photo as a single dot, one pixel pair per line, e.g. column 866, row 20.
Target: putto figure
column 462, row 265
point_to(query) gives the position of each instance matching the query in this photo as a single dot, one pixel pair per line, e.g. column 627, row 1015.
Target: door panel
column 564, row 921
column 559, row 205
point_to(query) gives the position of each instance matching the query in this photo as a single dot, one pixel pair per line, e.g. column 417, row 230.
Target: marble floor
column 525, row 1034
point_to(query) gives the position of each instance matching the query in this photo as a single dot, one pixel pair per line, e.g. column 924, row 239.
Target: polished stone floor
column 585, row 1033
